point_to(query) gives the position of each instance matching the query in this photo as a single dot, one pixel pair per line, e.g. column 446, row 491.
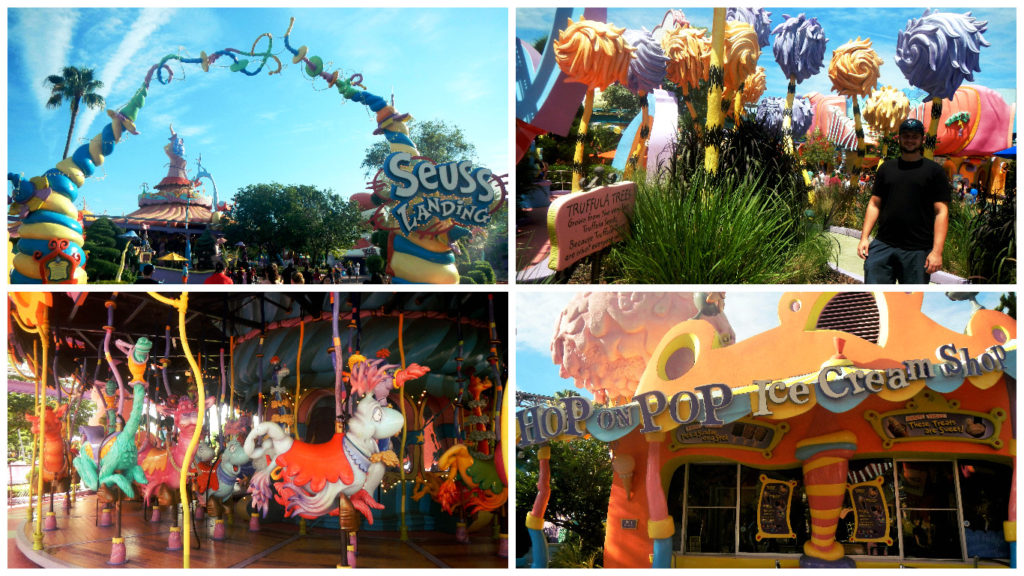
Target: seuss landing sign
column 428, row 193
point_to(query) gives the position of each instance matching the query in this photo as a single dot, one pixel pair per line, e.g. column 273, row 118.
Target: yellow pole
column 298, row 379
column 36, row 448
column 577, row 159
column 181, row 305
column 404, row 529
column 44, row 339
column 231, row 408
column 714, row 119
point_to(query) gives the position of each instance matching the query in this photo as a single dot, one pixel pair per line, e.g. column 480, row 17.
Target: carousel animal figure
column 310, row 478
column 56, row 459
column 480, row 487
column 218, row 484
column 114, row 463
column 162, row 466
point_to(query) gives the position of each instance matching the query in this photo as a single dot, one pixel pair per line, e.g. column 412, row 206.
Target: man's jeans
column 887, row 264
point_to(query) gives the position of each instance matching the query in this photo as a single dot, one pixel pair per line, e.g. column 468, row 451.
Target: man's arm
column 870, row 217
column 934, row 260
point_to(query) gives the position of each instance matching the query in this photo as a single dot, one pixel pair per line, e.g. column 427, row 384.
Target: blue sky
column 440, row 64
column 881, row 25
column 749, row 313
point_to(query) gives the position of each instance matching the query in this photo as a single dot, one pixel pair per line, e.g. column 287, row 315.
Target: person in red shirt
column 219, row 277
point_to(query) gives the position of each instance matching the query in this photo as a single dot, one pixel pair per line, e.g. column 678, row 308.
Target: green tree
column 104, row 250
column 435, row 139
column 581, row 484
column 19, row 430
column 297, row 217
column 76, row 86
column 619, row 98
column 818, row 151
column 205, row 248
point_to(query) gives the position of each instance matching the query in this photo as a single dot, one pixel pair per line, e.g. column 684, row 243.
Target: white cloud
column 135, row 38
column 43, row 40
column 536, row 315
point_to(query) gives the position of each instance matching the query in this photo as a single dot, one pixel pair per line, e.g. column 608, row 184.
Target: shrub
column 713, row 230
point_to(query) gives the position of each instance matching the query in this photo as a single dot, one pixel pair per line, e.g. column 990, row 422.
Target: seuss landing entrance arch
column 51, row 234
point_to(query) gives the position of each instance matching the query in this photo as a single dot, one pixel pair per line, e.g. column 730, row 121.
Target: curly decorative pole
column 181, row 305
column 109, row 329
column 535, row 517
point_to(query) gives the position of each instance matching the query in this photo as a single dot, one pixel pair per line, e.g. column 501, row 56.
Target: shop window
column 710, row 513
column 985, row 498
column 930, row 519
column 867, row 522
column 797, row 513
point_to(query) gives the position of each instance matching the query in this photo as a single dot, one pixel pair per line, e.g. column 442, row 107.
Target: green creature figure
column 116, row 460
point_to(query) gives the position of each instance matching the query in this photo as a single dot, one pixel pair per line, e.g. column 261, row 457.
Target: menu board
column 746, row 434
column 933, row 418
column 773, row 508
column 870, row 512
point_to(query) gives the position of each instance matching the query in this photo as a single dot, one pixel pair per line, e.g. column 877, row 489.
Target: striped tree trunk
column 933, row 129
column 862, row 146
column 717, row 77
column 581, row 134
column 787, row 115
column 737, row 105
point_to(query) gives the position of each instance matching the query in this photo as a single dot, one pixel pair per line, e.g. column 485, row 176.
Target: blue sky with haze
column 440, row 64
column 881, row 25
column 749, row 313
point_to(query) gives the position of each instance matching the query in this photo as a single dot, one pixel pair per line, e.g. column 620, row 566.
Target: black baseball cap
column 912, row 125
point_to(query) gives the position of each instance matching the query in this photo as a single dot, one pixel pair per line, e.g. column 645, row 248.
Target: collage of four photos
column 669, row 364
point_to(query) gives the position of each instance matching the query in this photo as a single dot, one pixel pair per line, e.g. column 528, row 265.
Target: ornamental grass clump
column 712, row 230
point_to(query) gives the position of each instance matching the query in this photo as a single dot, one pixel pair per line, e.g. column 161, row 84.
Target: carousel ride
column 310, row 417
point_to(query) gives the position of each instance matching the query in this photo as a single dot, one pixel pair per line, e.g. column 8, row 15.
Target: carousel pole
column 403, row 527
column 181, row 305
column 346, row 513
column 44, row 327
column 295, row 401
column 36, row 448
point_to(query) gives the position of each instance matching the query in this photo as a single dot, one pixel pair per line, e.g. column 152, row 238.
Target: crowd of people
column 272, row 273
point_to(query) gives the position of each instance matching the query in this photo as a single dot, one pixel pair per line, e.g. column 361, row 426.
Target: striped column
column 826, row 462
column 660, row 526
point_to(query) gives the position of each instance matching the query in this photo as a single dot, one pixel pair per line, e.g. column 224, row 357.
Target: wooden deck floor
column 79, row 543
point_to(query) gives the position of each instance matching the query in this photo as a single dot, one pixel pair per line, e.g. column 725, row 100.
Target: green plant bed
column 717, row 230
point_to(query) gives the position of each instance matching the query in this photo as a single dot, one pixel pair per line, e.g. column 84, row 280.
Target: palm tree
column 74, row 85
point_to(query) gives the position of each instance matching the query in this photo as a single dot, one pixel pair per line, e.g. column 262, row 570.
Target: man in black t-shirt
column 910, row 203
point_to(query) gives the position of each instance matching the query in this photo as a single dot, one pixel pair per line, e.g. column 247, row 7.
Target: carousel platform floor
column 79, row 543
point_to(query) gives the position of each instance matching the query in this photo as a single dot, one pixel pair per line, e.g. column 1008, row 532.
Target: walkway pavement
column 849, row 264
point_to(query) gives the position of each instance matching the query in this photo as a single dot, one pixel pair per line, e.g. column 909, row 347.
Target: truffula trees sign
column 706, row 403
column 451, row 191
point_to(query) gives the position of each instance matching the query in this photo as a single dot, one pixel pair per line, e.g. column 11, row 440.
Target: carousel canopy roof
column 430, row 329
